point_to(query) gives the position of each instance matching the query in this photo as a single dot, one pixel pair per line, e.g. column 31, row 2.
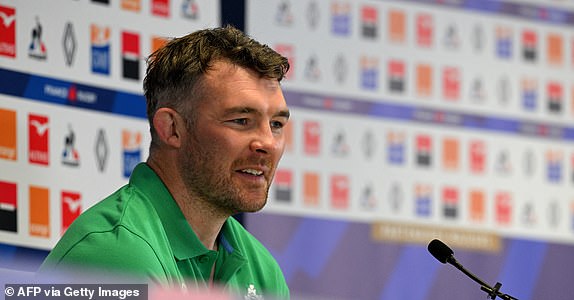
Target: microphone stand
column 492, row 292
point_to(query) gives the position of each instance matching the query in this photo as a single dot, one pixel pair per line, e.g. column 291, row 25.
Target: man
column 216, row 114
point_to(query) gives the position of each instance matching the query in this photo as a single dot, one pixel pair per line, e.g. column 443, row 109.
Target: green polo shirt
column 140, row 230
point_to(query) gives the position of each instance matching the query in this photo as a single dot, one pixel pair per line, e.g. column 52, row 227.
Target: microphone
column 444, row 254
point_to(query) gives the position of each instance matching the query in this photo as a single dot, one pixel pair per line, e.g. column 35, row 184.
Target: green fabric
column 140, row 230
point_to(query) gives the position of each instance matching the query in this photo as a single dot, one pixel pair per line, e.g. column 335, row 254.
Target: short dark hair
column 174, row 71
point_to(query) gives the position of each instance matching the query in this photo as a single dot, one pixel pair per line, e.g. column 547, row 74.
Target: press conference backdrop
column 414, row 120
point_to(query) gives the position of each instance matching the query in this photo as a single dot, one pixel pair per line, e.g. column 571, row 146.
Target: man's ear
column 168, row 125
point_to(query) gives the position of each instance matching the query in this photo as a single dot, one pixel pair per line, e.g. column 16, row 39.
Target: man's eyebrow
column 284, row 113
column 249, row 110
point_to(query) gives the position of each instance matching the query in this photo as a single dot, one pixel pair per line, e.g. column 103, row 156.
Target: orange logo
column 8, row 148
column 39, row 211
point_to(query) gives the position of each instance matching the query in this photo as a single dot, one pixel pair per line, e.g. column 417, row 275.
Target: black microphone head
column 440, row 251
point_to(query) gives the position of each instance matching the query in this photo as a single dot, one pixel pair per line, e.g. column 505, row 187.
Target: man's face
column 230, row 155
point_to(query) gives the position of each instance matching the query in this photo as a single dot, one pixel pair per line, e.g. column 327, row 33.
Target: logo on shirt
column 252, row 293
column 8, row 206
column 7, row 31
column 39, row 211
column 38, row 134
column 71, row 208
column 100, row 38
column 8, row 138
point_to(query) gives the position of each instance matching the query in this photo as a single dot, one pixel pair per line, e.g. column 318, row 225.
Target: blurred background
column 411, row 120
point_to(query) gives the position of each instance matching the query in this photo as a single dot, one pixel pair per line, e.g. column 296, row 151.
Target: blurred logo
column 37, row 48
column 132, row 5
column 313, row 14
column 71, row 208
column 477, row 156
column 504, row 91
column 423, row 150
column 503, row 42
column 528, row 214
column 130, row 55
column 70, row 155
column 423, row 200
column 397, row 26
column 100, row 38
column 7, row 31
column 8, row 138
column 554, row 161
column 477, row 90
column 39, row 211
column 450, row 157
column 503, row 163
column 529, row 91
column 340, row 69
column 555, row 49
column 368, row 144
column 396, row 147
column 157, row 42
column 450, row 202
column 39, row 131
column 283, row 185
column 289, row 52
column 312, row 137
column 160, row 8
column 69, row 43
column 370, row 21
column 451, row 80
column 424, row 80
column 312, row 69
column 425, row 29
column 311, row 192
column 341, row 18
column 554, row 211
column 503, row 207
column 554, row 96
column 8, row 206
column 284, row 15
column 477, row 38
column 340, row 191
column 451, row 39
column 529, row 45
column 529, row 163
column 396, row 198
column 397, row 74
column 131, row 145
column 369, row 72
column 477, row 206
column 101, row 150
column 190, row 9
column 367, row 199
column 340, row 147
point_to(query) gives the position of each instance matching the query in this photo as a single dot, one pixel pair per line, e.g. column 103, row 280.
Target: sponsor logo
column 190, row 9
column 284, row 15
column 71, row 208
column 503, row 42
column 160, row 8
column 312, row 137
column 7, row 31
column 130, row 55
column 477, row 38
column 529, row 163
column 131, row 5
column 70, row 155
column 451, row 40
column 69, row 43
column 425, row 28
column 477, row 90
column 341, row 18
column 396, row 198
column 396, row 147
column 37, row 48
column 369, row 72
column 367, row 199
column 313, row 14
column 451, row 81
column 423, row 150
column 503, row 207
column 39, row 211
column 529, row 45
column 312, row 70
column 450, row 157
column 528, row 214
column 554, row 162
column 340, row 147
column 100, row 38
column 554, row 211
column 340, row 191
column 504, row 91
column 38, row 137
column 450, row 202
column 397, row 26
column 555, row 49
column 8, row 138
column 368, row 144
column 283, row 185
column 529, row 92
column 8, row 206
column 503, row 163
column 311, row 192
column 370, row 21
column 101, row 150
column 477, row 156
column 341, row 68
column 424, row 80
column 423, row 200
column 554, row 96
column 131, row 146
column 397, row 73
column 157, row 43
column 289, row 52
column 477, row 206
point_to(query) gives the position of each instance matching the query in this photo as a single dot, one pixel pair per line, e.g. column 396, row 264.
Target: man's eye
column 277, row 124
column 242, row 121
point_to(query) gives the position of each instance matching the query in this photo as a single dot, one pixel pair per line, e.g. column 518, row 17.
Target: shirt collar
column 183, row 240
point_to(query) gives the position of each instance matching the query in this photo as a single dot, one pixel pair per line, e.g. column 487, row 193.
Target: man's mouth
column 252, row 172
